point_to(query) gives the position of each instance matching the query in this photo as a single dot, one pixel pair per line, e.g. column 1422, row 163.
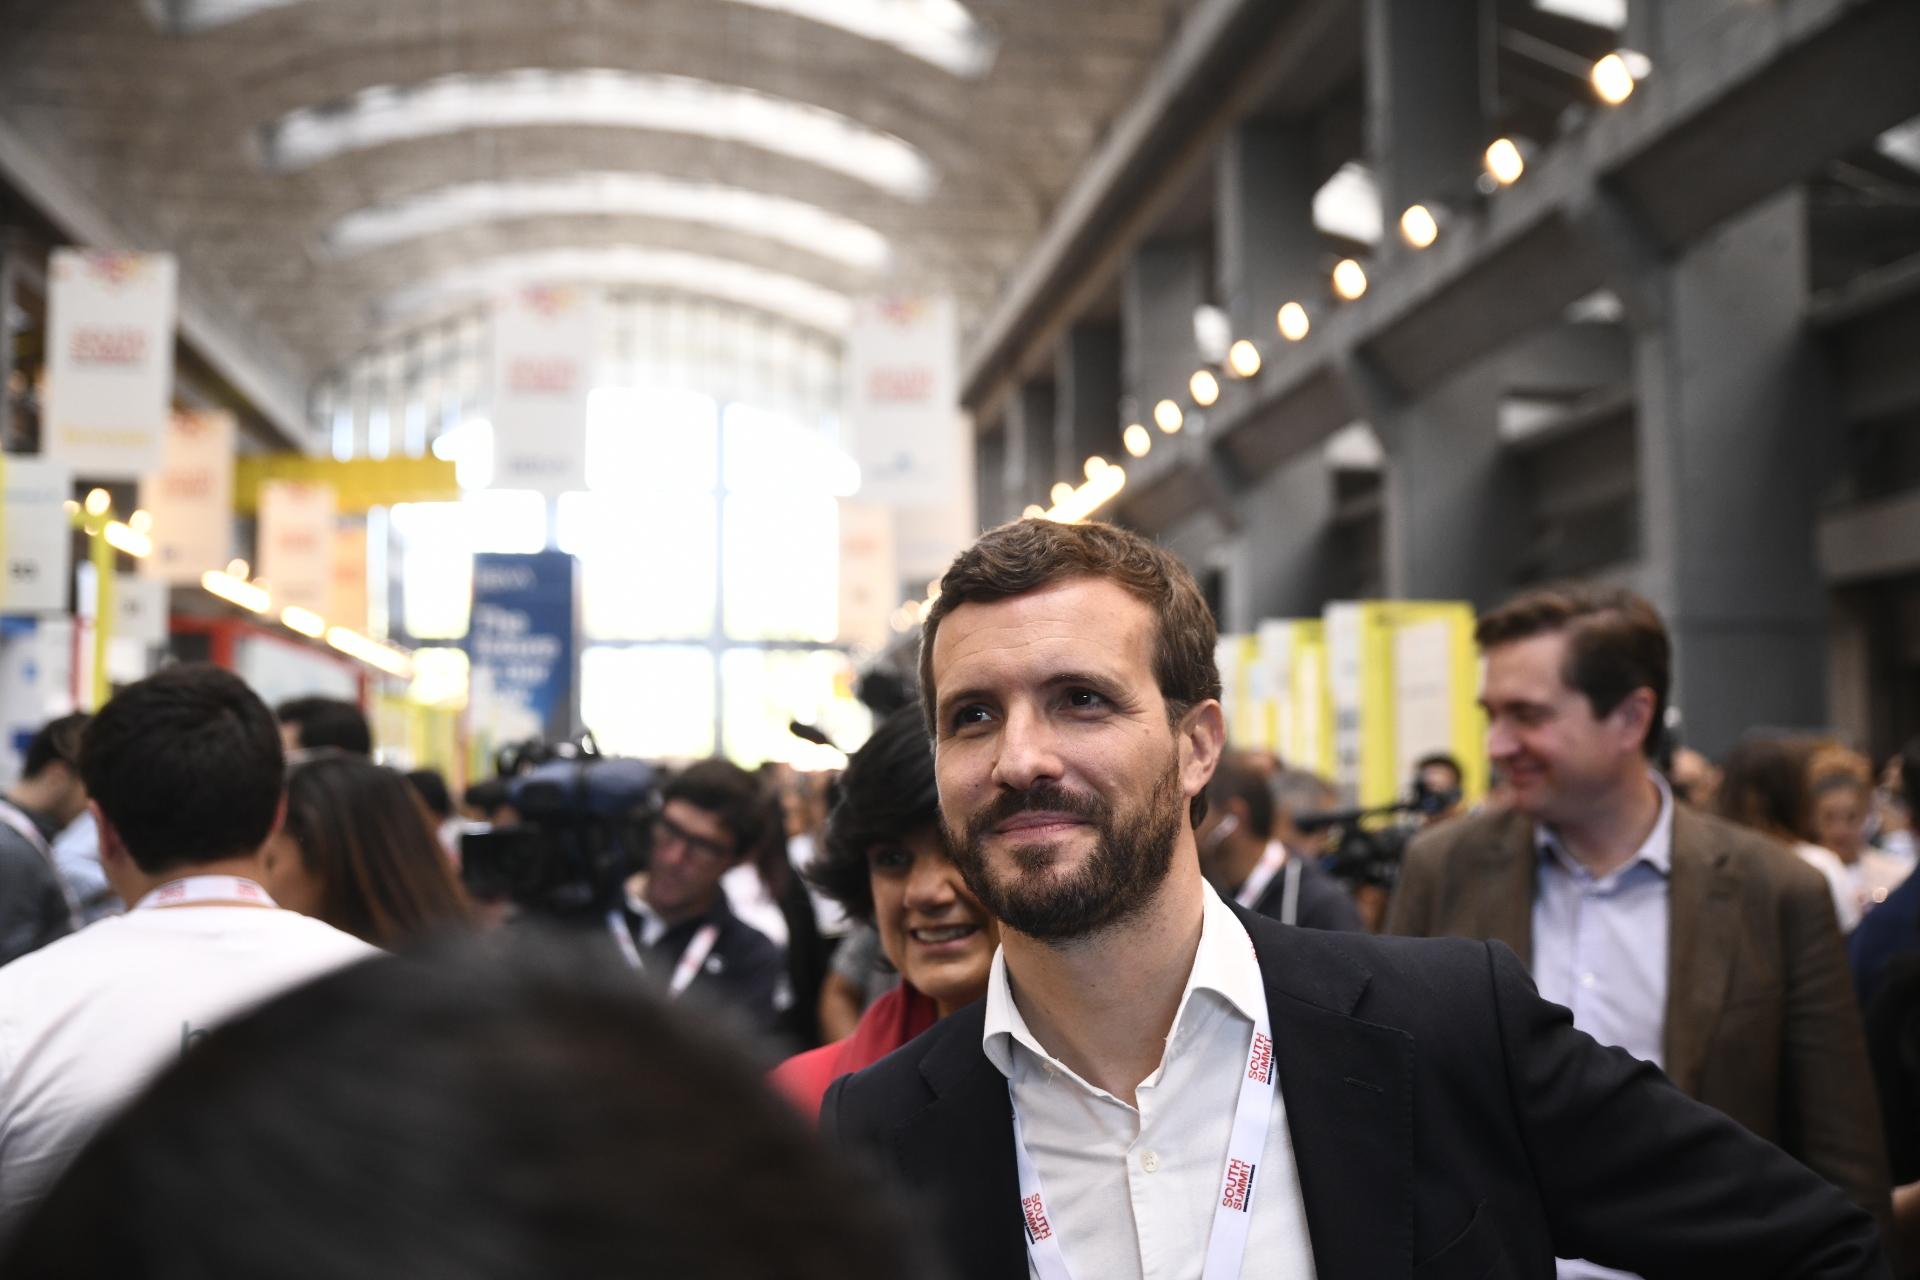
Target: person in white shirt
column 185, row 773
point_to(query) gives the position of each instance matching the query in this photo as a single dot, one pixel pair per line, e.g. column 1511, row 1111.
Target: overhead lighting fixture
column 1418, row 226
column 1504, row 162
column 1244, row 359
column 1137, row 439
column 799, row 300
column 305, row 621
column 1077, row 504
column 1293, row 322
column 1212, row 332
column 1349, row 279
column 240, row 569
column 1033, row 511
column 1060, row 492
column 236, row 590
column 1094, row 466
column 939, row 32
column 1348, row 205
column 1615, row 75
column 1611, row 14
column 1205, row 388
column 598, row 195
column 98, row 500
column 1167, row 416
column 141, row 521
column 598, row 97
column 126, row 538
column 372, row 652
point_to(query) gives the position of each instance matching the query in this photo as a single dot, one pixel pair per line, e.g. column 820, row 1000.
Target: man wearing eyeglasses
column 674, row 922
column 34, row 906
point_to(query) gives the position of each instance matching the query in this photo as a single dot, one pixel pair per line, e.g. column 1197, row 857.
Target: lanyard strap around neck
column 1272, row 858
column 190, row 891
column 699, row 947
column 1233, row 1206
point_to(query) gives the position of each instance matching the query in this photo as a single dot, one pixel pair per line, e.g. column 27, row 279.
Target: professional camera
column 581, row 831
column 1367, row 849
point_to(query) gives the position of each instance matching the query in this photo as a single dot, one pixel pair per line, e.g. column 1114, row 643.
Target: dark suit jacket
column 1446, row 1121
column 1761, row 1021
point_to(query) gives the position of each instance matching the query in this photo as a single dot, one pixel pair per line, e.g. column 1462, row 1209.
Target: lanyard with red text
column 1233, row 1210
column 698, row 948
column 194, row 890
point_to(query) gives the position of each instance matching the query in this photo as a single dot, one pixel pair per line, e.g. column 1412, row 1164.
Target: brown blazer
column 1761, row 1021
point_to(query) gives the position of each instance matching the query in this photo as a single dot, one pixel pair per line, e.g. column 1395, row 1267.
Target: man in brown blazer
column 1705, row 948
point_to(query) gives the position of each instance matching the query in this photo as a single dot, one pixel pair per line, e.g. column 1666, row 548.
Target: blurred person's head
column 50, row 782
column 1841, row 803
column 1069, row 683
column 431, row 786
column 184, row 769
column 1239, row 822
column 1297, row 792
column 307, row 724
column 1437, row 785
column 1575, row 692
column 1764, row 785
column 886, row 862
column 465, row 1110
column 1695, row 778
column 358, row 851
column 713, row 814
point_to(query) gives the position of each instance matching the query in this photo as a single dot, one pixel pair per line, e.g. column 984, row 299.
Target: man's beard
column 1131, row 856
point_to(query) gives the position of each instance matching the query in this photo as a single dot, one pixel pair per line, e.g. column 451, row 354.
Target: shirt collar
column 1656, row 850
column 1224, row 965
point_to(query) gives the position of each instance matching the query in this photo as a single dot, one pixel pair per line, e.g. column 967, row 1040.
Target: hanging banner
column 522, row 646
column 543, row 345
column 902, row 402
column 191, row 498
column 36, row 538
column 1293, row 658
column 347, row 600
column 109, row 361
column 296, row 544
column 869, row 582
column 140, row 611
column 36, row 684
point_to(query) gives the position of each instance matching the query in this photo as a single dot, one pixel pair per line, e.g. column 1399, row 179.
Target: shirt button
column 1587, row 979
column 1150, row 1161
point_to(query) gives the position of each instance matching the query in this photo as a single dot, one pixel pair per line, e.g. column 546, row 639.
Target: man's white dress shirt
column 1131, row 1189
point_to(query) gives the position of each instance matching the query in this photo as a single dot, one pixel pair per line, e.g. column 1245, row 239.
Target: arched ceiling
column 467, row 141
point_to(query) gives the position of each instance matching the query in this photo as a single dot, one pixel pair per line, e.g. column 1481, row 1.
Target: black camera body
column 581, row 832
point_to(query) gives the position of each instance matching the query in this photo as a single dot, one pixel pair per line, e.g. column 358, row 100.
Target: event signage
column 543, row 345
column 522, row 646
column 902, row 401
column 36, row 537
column 869, row 582
column 109, row 361
column 191, row 498
column 296, row 544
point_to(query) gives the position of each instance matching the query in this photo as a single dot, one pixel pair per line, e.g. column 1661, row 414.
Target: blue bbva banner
column 523, row 645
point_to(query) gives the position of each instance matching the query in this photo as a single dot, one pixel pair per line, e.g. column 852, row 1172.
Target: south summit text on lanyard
column 699, row 947
column 1232, row 1212
column 193, row 891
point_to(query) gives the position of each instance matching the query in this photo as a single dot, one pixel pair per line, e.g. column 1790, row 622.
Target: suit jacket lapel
column 1347, row 1087
column 1702, row 927
column 969, row 1127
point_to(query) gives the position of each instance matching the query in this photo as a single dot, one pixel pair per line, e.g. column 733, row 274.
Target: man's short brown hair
column 1029, row 554
column 1616, row 643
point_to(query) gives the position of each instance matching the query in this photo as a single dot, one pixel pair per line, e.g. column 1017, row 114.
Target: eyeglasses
column 666, row 831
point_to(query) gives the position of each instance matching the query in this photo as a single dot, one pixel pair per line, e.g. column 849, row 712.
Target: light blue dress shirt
column 1600, row 949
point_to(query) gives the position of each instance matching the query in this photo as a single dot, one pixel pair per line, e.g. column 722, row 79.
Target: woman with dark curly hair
column 358, row 850
column 886, row 863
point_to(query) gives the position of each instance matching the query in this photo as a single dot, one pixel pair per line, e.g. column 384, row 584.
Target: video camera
column 581, row 831
column 1369, row 852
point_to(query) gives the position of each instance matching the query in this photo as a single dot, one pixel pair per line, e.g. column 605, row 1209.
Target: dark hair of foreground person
column 474, row 1109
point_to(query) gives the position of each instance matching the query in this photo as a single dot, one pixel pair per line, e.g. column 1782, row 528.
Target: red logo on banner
column 899, row 386
column 547, row 300
column 1260, row 1061
column 109, row 346
column 114, row 268
column 554, row 375
column 1036, row 1212
column 1239, row 1185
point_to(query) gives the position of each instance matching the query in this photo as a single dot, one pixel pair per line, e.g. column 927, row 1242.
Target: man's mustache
column 1045, row 798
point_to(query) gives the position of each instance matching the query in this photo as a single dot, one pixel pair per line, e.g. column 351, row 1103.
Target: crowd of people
column 1051, row 967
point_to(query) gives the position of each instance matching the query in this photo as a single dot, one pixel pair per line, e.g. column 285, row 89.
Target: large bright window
column 652, row 701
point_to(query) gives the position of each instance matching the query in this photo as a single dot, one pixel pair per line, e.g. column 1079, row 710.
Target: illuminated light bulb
column 140, row 521
column 1418, row 226
column 98, row 501
column 1504, row 162
column 1244, row 359
column 1060, row 493
column 1034, row 511
column 1613, row 79
column 240, row 569
column 71, row 507
column 1095, row 465
column 1293, row 322
column 305, row 621
column 1205, row 388
column 1349, row 279
column 1167, row 416
column 1137, row 439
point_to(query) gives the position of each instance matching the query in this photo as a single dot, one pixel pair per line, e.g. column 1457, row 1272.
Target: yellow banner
column 358, row 483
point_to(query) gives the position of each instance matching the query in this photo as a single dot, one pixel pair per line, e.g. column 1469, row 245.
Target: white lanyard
column 1271, row 860
column 699, row 947
column 192, row 890
column 1233, row 1210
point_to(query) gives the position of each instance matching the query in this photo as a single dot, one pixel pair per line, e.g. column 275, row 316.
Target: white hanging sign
column 296, row 543
column 191, row 498
column 902, row 401
column 109, row 361
column 543, row 346
column 36, row 539
column 140, row 611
